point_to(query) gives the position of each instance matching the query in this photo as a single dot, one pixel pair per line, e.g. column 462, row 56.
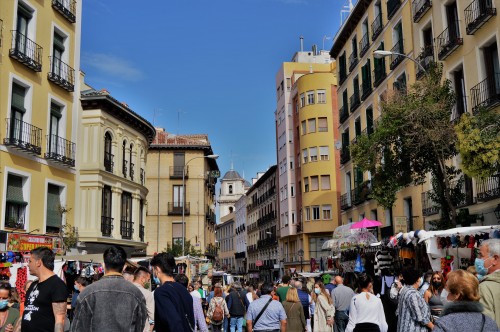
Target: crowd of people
column 121, row 300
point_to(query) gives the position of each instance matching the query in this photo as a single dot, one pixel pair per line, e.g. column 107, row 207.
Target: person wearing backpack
column 217, row 309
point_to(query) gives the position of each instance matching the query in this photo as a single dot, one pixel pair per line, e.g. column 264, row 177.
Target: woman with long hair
column 295, row 319
column 366, row 312
column 324, row 310
column 433, row 294
column 8, row 315
column 217, row 301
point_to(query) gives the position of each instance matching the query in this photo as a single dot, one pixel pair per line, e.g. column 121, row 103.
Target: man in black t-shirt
column 45, row 304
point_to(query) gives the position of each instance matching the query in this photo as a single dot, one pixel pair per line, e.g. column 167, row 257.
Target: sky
column 200, row 66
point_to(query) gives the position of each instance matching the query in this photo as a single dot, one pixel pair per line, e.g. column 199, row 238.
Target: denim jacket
column 110, row 304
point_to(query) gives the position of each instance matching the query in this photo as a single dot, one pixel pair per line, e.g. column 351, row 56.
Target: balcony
column 143, row 176
column 477, row 14
column 366, row 87
column 106, row 225
column 210, row 217
column 343, row 113
column 354, row 100
column 488, row 189
column 377, row 27
column 345, row 155
column 211, row 250
column 267, row 242
column 353, row 61
column 425, row 59
column 397, row 56
column 428, row 206
column 126, row 229
column 132, row 172
column 342, row 75
column 124, row 168
column 466, row 193
column 176, row 172
column 252, row 248
column 379, row 74
column 420, row 7
column 108, row 162
column 66, row 8
column 60, row 150
column 141, row 233
column 486, row 94
column 364, row 44
column 392, row 7
column 345, row 201
column 23, row 136
column 26, row 51
column 61, row 74
column 175, row 209
column 448, row 41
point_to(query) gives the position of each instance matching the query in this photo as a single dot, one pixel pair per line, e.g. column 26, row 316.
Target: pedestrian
column 237, row 303
column 173, row 303
column 266, row 314
column 488, row 264
column 295, row 319
column 80, row 284
column 200, row 322
column 396, row 288
column 128, row 273
column 45, row 303
column 366, row 312
column 142, row 280
column 427, row 282
column 217, row 302
column 193, row 290
column 305, row 299
column 8, row 315
column 324, row 310
column 413, row 313
column 330, row 285
column 463, row 312
column 112, row 303
column 433, row 295
column 251, row 295
column 341, row 298
column 283, row 289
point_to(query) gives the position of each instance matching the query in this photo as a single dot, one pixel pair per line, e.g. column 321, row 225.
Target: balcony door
column 55, row 116
column 452, row 20
column 57, row 54
column 17, row 112
column 492, row 69
column 178, row 196
column 24, row 16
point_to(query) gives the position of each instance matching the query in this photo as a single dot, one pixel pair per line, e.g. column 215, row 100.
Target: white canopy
column 458, row 231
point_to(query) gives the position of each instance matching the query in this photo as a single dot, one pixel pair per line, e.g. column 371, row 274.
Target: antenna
column 179, row 111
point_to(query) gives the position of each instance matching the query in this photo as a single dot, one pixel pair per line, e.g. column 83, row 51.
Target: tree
column 176, row 249
column 412, row 138
column 479, row 143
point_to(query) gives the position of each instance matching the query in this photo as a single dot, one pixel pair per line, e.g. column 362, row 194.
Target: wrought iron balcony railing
column 354, row 100
column 392, row 7
column 126, row 229
column 345, row 154
column 67, row 8
column 366, row 86
column 486, row 94
column 425, row 59
column 397, row 58
column 124, row 168
column 345, row 201
column 428, row 206
column 26, row 51
column 176, row 172
column 106, row 225
column 60, row 150
column 379, row 74
column 420, row 7
column 23, row 136
column 459, row 108
column 477, row 14
column 353, row 61
column 141, row 233
column 448, row 41
column 342, row 74
column 488, row 189
column 343, row 113
column 175, row 209
column 61, row 74
column 364, row 44
column 377, row 26
column 108, row 162
column 143, row 176
column 132, row 171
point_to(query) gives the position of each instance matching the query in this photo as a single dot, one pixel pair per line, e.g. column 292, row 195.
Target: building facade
column 39, row 105
column 240, row 220
column 112, row 193
column 169, row 157
column 225, row 239
column 232, row 187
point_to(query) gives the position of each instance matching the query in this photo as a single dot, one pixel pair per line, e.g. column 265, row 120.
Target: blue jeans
column 341, row 320
column 236, row 324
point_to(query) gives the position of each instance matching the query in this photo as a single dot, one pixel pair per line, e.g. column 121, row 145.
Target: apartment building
column 39, row 106
column 240, row 220
column 225, row 239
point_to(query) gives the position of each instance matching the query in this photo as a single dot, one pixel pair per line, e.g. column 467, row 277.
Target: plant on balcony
column 479, row 143
column 69, row 236
column 176, row 249
column 413, row 137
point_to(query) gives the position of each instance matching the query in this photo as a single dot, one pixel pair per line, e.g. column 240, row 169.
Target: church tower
column 232, row 187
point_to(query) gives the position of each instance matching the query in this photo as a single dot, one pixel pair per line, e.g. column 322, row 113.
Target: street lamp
column 379, row 54
column 210, row 156
column 301, row 254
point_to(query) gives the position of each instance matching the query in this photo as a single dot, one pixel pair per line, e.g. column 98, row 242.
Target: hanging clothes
column 383, row 261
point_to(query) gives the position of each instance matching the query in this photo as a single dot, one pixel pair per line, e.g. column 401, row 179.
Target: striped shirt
column 413, row 311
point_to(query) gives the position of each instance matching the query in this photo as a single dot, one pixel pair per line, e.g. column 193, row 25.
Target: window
column 18, row 110
column 15, row 205
column 126, row 216
column 291, row 162
column 325, row 182
column 304, row 156
column 177, row 233
column 321, row 97
column 106, row 207
column 286, row 218
column 310, row 97
column 54, row 144
column 179, row 158
column 288, row 83
column 314, row 183
column 324, row 153
column 292, row 190
column 124, row 159
column 315, row 212
column 285, row 192
column 108, row 157
column 304, row 127
column 23, row 33
column 327, row 212
column 322, row 124
column 230, row 189
column 131, row 163
column 178, row 196
column 293, row 217
column 54, row 215
column 302, row 100
column 57, row 65
column 313, row 154
column 306, row 185
column 312, row 125
column 308, row 213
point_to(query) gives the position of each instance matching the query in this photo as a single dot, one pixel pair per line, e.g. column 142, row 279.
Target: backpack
column 218, row 314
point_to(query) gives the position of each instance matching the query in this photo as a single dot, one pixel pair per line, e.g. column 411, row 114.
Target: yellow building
column 168, row 156
column 39, row 103
column 363, row 81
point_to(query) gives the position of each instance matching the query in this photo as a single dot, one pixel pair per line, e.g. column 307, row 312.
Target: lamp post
column 379, row 54
column 301, row 254
column 210, row 156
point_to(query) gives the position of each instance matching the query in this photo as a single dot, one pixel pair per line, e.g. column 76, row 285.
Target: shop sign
column 26, row 242
column 259, row 263
column 400, row 225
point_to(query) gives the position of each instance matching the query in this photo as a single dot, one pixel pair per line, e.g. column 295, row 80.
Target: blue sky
column 203, row 66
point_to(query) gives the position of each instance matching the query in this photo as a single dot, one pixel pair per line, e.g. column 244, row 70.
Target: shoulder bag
column 261, row 312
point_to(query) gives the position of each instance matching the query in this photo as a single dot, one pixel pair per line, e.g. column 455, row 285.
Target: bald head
column 339, row 280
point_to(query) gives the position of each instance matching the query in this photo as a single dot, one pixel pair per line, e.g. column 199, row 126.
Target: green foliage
column 176, row 249
column 479, row 143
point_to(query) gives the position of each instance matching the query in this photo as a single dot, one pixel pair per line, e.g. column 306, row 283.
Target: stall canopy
column 458, row 231
column 346, row 237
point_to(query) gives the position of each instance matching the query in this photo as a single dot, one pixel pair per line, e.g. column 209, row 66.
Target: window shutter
column 55, row 110
column 54, row 217
column 18, row 93
column 325, row 182
column 314, row 183
column 15, row 190
column 59, row 42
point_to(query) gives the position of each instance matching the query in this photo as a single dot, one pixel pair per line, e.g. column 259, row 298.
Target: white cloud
column 111, row 65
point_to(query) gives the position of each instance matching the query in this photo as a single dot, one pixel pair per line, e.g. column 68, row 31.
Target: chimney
column 301, row 44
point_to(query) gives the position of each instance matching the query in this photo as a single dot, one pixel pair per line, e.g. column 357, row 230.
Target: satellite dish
column 338, row 145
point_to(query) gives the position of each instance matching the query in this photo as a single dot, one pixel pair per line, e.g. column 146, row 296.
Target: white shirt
column 249, row 297
column 195, row 293
column 363, row 310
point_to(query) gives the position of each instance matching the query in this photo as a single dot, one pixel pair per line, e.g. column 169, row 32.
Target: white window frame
column 310, row 98
column 316, row 214
column 26, row 191
column 313, row 153
column 326, row 209
column 62, row 197
column 321, row 96
column 302, row 100
column 324, row 153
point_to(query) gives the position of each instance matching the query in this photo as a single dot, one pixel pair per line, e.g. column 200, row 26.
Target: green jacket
column 489, row 289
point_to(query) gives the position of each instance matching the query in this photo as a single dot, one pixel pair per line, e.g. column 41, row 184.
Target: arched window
column 108, row 157
column 230, row 188
column 131, row 163
column 231, row 209
column 124, row 158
